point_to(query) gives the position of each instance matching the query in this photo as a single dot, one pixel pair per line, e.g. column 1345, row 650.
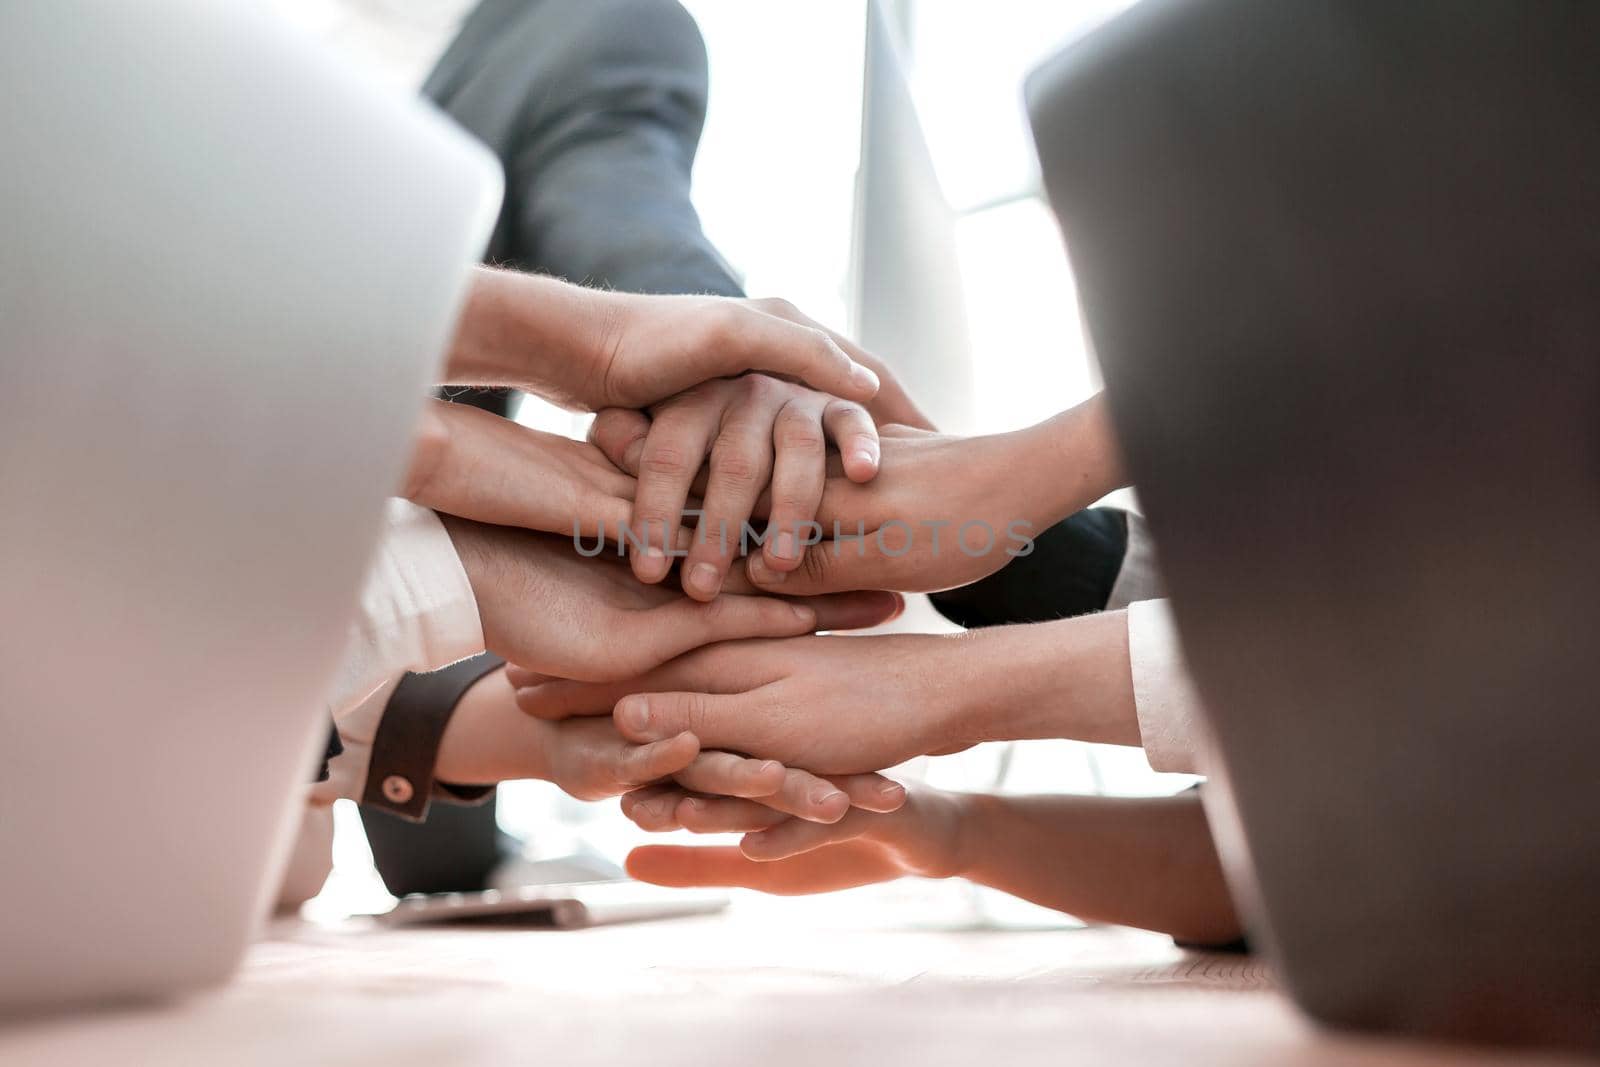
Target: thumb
column 827, row 567
column 683, row 624
column 616, row 432
column 646, row 717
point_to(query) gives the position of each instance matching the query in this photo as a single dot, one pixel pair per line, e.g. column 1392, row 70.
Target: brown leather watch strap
column 400, row 774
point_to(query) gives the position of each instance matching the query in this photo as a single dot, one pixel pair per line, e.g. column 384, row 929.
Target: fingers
column 856, row 611
column 646, row 717
column 653, row 808
column 523, row 678
column 683, row 867
column 839, row 867
column 676, row 627
column 479, row 466
column 741, row 461
column 619, row 433
column 835, row 567
column 800, row 794
column 892, row 403
column 796, row 836
column 798, row 475
column 429, row 447
column 726, row 668
column 725, row 815
column 836, row 611
column 639, row 764
column 856, row 436
column 760, row 341
column 671, row 454
column 728, row 774
column 872, row 792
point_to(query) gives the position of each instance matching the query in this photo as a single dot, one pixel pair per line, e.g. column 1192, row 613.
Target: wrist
column 971, row 817
column 1067, row 679
column 1075, row 459
column 1003, row 679
column 530, row 332
column 489, row 740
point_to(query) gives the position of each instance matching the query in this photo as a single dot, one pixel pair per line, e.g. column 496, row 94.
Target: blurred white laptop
column 229, row 270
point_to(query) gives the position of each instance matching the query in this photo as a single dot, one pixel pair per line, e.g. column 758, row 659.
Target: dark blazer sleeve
column 595, row 110
column 602, row 176
column 1071, row 571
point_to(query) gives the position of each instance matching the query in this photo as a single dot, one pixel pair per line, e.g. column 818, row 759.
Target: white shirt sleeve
column 417, row 610
column 417, row 613
column 1171, row 718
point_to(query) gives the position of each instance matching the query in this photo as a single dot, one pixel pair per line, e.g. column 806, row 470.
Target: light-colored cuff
column 358, row 728
column 1140, row 576
column 1171, row 719
column 417, row 610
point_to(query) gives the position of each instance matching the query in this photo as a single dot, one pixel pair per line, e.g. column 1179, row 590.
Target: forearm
column 488, row 740
column 1064, row 679
column 531, row 332
column 1069, row 461
column 1145, row 862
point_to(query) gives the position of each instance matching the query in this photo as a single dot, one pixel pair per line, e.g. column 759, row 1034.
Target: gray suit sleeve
column 600, row 165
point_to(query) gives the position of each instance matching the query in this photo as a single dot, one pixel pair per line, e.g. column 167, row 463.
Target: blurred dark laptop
column 1341, row 265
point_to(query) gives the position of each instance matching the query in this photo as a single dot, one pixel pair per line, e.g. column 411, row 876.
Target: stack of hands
column 750, row 479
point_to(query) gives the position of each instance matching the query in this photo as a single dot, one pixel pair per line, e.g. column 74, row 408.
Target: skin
column 479, row 466
column 488, row 740
column 588, row 349
column 736, row 435
column 908, row 531
column 1145, row 862
column 927, row 694
column 754, row 433
column 592, row 620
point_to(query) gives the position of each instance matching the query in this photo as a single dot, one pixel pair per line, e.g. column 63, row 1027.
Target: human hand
column 476, row 465
column 946, row 511
column 752, row 428
column 908, row 695
column 892, row 403
column 924, row 838
column 546, row 607
column 589, row 349
column 488, row 740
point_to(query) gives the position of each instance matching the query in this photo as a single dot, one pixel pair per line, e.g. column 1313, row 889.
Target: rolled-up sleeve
column 417, row 610
column 1172, row 725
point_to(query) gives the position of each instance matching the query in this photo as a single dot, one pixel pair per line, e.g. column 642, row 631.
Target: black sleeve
column 1071, row 571
column 400, row 775
column 335, row 748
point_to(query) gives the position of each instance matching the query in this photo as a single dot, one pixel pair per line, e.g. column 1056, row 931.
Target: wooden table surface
column 756, row 986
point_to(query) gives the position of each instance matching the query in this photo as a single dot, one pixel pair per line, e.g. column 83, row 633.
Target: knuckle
column 757, row 389
column 727, row 321
column 732, row 466
column 798, row 428
column 778, row 306
column 850, row 411
column 715, row 612
column 432, row 445
column 824, row 345
column 664, row 459
column 792, row 502
column 695, row 713
column 816, row 565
